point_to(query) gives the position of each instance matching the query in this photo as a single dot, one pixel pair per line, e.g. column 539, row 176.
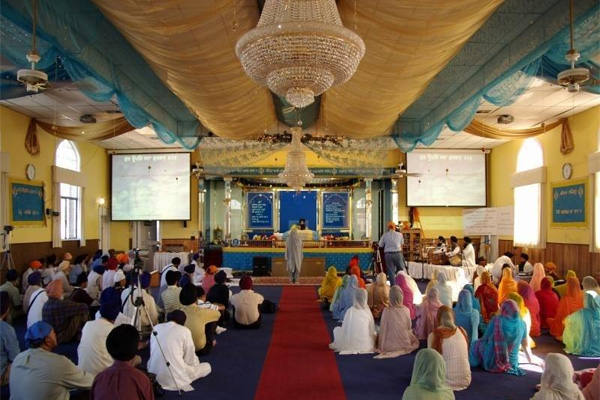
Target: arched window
column 67, row 157
column 528, row 197
column 236, row 204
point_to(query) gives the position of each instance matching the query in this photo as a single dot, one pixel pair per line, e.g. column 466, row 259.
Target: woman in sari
column 329, row 284
column 357, row 334
column 452, row 343
column 548, row 301
column 355, row 270
column 532, row 304
column 477, row 276
column 487, row 294
column 414, row 288
column 337, row 294
column 582, row 328
column 346, row 300
column 379, row 295
column 525, row 315
column 572, row 301
column 427, row 314
column 476, row 306
column 538, row 275
column 498, row 349
column 396, row 337
column 562, row 289
column 590, row 283
column 507, row 285
column 557, row 380
column 466, row 316
column 428, row 381
column 444, row 291
column 408, row 295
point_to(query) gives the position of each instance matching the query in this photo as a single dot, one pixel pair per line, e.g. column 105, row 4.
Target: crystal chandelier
column 299, row 49
column 296, row 173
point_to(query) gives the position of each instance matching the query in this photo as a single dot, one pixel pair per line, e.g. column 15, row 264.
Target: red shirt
column 122, row 381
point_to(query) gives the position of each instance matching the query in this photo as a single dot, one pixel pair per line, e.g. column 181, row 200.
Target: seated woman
column 572, row 301
column 538, row 275
column 357, row 334
column 427, row 314
column 475, row 302
column 328, row 285
column 548, row 301
column 498, row 349
column 452, row 343
column 428, row 381
column 532, row 304
column 507, row 284
column 487, row 294
column 408, row 294
column 562, row 288
column 477, row 276
column 337, row 294
column 444, row 291
column 346, row 299
column 557, row 380
column 590, row 283
column 550, row 269
column 466, row 316
column 355, row 270
column 396, row 337
column 582, row 328
column 245, row 306
column 379, row 295
column 525, row 315
column 209, row 278
column 414, row 288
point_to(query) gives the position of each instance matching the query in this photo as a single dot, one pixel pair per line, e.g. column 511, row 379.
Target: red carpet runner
column 299, row 364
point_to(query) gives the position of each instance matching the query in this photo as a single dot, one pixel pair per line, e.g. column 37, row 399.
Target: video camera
column 138, row 264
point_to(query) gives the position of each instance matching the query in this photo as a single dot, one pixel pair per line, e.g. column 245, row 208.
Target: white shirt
column 178, row 347
column 163, row 282
column 94, row 288
column 454, row 252
column 528, row 268
column 246, row 306
column 129, row 308
column 108, row 279
column 198, row 273
column 24, row 282
column 392, row 241
column 497, row 268
column 469, row 255
column 92, row 353
column 120, row 320
column 34, row 313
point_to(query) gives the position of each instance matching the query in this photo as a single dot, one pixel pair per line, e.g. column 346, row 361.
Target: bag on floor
column 268, row 307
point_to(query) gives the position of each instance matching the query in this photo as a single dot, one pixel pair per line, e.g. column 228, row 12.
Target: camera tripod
column 7, row 258
column 139, row 304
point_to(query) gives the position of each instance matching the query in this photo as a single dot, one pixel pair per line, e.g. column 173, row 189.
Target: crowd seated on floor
column 490, row 325
column 95, row 303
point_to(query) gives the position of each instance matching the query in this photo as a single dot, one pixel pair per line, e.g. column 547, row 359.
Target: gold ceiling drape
column 89, row 132
column 408, row 43
column 190, row 44
column 481, row 129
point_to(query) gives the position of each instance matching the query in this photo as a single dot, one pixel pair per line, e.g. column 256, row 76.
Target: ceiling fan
column 199, row 172
column 33, row 79
column 401, row 172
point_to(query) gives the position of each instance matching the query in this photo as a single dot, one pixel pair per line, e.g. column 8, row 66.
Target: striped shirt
column 170, row 298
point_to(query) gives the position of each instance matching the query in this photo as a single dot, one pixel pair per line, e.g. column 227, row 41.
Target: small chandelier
column 300, row 49
column 296, row 173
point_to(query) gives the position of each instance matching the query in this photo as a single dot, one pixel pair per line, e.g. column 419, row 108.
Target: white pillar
column 201, row 208
column 368, row 208
column 395, row 216
column 227, row 201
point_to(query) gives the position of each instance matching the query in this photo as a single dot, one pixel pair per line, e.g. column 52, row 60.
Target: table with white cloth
column 163, row 258
column 457, row 276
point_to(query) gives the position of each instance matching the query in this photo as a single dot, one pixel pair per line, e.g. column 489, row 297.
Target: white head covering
column 557, row 380
column 396, row 296
column 119, row 276
column 360, row 299
column 63, row 266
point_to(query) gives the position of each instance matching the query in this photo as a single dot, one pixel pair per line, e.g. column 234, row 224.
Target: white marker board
column 488, row 221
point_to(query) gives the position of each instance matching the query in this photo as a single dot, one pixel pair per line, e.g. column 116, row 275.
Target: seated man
column 9, row 345
column 33, row 266
column 36, row 301
column 11, row 286
column 128, row 297
column 245, row 306
column 506, row 258
column 524, row 264
column 92, row 353
column 197, row 318
column 65, row 316
column 178, row 347
column 37, row 373
column 79, row 294
column 170, row 296
column 34, row 282
column 122, row 381
column 174, row 266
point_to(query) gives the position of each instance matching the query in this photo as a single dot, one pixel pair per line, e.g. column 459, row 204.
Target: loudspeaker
column 261, row 266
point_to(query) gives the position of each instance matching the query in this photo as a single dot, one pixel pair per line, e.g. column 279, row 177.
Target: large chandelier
column 299, row 49
column 296, row 173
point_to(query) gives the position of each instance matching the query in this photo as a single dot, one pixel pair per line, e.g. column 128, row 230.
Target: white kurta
column 499, row 263
column 469, row 256
column 129, row 308
column 178, row 347
column 120, row 320
column 357, row 333
column 24, row 281
column 91, row 352
column 455, row 352
column 94, row 286
column 108, row 279
column 34, row 314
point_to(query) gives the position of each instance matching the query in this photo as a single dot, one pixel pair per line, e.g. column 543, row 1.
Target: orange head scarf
column 355, row 270
column 569, row 303
column 507, row 285
column 446, row 328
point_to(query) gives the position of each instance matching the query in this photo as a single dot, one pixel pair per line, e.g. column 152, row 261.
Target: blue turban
column 145, row 280
column 189, row 268
column 196, row 256
column 109, row 295
column 37, row 333
column 99, row 269
column 110, row 310
column 34, row 278
column 185, row 279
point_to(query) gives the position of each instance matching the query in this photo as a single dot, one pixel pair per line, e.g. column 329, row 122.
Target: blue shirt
column 9, row 345
column 391, row 241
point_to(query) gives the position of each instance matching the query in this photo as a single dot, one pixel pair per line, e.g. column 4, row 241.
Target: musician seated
column 440, row 248
column 454, row 255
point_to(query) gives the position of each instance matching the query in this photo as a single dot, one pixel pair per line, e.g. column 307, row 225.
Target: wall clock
column 567, row 170
column 30, row 172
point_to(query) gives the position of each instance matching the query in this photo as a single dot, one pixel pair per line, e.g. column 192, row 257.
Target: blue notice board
column 26, row 203
column 569, row 203
column 335, row 210
column 293, row 206
column 260, row 210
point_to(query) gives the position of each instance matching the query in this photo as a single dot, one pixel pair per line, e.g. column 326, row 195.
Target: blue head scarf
column 347, row 298
column 466, row 316
column 475, row 300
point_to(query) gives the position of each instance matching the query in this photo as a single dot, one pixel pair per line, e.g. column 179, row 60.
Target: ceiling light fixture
column 573, row 77
column 300, row 49
column 296, row 174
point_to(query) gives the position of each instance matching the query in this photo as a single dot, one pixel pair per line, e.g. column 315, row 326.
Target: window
column 596, row 233
column 70, row 196
column 528, row 197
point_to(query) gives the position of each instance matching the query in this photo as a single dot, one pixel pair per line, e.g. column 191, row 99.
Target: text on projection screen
column 150, row 187
column 448, row 178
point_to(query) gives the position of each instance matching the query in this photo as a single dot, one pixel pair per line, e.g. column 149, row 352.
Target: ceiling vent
column 87, row 119
column 506, row 119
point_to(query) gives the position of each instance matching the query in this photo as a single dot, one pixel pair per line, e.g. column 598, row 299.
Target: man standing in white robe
column 469, row 253
column 178, row 347
column 293, row 255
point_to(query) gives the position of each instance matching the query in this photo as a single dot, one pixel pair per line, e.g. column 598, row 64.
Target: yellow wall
column 584, row 127
column 94, row 163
